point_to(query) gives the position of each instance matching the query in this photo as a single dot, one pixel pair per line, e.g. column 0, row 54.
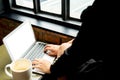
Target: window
column 25, row 3
column 77, row 7
column 52, row 6
column 65, row 9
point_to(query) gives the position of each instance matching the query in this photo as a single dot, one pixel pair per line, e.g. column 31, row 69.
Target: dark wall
column 4, row 5
column 1, row 6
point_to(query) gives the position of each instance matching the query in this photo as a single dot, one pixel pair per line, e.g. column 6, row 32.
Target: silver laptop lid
column 19, row 40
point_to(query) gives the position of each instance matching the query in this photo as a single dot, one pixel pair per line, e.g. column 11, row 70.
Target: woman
column 80, row 58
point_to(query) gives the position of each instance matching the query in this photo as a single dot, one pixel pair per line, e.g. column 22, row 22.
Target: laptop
column 21, row 43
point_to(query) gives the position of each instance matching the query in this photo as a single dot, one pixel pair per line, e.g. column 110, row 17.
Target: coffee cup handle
column 6, row 70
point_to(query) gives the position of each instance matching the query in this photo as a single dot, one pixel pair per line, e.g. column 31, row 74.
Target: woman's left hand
column 42, row 64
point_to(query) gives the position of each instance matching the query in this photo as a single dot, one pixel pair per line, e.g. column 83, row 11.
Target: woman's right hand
column 56, row 50
column 53, row 49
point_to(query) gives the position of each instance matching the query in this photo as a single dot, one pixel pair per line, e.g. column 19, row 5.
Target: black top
column 84, row 59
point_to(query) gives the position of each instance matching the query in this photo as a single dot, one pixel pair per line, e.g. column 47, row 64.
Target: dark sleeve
column 73, row 56
column 86, row 45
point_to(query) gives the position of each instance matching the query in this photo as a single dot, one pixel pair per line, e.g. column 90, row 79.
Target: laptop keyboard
column 36, row 52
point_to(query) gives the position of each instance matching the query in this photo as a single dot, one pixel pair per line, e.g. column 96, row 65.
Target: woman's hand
column 53, row 49
column 42, row 64
column 56, row 50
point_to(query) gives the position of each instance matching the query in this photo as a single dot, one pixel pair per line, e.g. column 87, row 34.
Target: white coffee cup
column 21, row 69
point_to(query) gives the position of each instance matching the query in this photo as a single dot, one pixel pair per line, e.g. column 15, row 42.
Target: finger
column 48, row 49
column 37, row 66
column 48, row 52
column 48, row 45
column 36, row 61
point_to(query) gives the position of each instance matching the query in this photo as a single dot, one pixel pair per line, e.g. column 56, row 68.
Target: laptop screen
column 19, row 40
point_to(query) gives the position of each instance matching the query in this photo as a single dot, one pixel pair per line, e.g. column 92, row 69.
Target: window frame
column 64, row 17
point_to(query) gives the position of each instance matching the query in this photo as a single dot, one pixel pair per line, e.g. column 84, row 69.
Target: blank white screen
column 19, row 40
